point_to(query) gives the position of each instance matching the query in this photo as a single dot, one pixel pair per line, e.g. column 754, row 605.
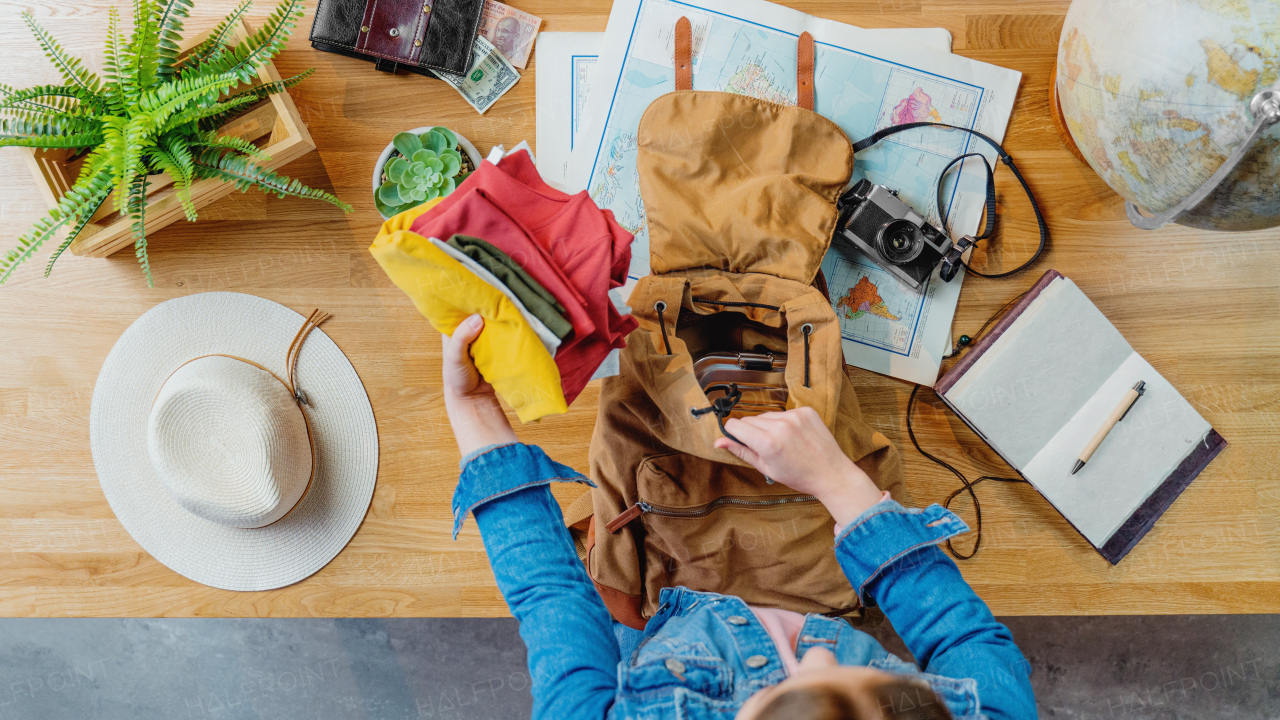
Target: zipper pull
column 625, row 517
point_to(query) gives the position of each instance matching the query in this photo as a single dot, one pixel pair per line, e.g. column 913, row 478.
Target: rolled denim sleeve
column 573, row 654
column 891, row 555
column 497, row 470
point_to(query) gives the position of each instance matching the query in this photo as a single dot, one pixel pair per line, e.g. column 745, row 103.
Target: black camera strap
column 968, row 241
column 966, row 485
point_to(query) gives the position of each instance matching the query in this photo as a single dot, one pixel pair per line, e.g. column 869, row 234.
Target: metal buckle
column 1265, row 107
column 953, row 260
column 756, row 363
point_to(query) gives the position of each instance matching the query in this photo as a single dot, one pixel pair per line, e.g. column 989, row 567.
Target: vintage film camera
column 893, row 235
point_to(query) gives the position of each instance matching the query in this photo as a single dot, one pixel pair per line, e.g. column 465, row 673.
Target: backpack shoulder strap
column 579, row 518
column 579, row 512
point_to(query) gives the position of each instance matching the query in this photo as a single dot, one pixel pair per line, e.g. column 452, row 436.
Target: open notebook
column 1039, row 385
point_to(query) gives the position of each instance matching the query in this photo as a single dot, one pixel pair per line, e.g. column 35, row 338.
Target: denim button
column 675, row 666
column 757, row 661
column 736, row 620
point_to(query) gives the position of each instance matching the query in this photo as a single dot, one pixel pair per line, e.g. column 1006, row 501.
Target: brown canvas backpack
column 740, row 195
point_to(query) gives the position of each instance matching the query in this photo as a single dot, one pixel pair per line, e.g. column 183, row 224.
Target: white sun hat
column 234, row 440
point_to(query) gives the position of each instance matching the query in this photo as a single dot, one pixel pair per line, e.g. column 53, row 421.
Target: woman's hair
column 898, row 699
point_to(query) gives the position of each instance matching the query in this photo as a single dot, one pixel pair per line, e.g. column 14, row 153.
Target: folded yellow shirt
column 508, row 352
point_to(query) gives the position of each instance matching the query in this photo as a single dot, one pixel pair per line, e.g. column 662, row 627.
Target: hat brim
column 343, row 430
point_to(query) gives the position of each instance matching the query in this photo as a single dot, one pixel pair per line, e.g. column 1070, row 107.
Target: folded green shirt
column 537, row 300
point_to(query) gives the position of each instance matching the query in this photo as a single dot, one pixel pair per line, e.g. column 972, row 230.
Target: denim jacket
column 703, row 654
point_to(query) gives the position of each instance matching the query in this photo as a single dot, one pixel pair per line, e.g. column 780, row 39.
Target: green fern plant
column 153, row 110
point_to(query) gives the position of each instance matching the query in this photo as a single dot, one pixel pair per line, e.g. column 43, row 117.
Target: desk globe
column 1156, row 94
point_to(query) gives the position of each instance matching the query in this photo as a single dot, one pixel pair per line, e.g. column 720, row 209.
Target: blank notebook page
column 1042, row 390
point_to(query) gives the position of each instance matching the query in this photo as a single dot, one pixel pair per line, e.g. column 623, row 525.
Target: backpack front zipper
column 642, row 507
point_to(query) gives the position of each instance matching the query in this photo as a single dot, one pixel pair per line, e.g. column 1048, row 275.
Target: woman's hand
column 796, row 449
column 474, row 412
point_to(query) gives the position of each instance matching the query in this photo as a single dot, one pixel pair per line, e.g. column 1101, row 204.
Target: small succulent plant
column 427, row 167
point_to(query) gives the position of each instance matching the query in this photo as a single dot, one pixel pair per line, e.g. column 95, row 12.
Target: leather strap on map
column 684, row 54
column 804, row 71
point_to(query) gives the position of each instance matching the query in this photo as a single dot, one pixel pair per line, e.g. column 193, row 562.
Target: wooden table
column 1201, row 307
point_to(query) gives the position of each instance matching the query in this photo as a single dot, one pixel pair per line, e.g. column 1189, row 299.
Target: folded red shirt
column 474, row 213
column 609, row 246
column 585, row 244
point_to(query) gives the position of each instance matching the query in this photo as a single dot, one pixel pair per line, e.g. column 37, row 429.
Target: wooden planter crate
column 273, row 124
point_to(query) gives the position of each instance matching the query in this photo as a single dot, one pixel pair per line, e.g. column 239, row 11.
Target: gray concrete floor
column 1133, row 668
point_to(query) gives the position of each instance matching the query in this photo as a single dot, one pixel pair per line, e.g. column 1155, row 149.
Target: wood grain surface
column 1201, row 307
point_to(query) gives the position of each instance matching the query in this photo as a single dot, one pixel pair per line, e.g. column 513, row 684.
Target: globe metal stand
column 1265, row 107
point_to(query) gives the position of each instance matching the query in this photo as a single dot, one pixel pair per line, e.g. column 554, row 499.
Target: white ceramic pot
column 466, row 145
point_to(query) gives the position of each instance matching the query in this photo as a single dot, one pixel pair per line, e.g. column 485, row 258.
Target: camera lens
column 899, row 241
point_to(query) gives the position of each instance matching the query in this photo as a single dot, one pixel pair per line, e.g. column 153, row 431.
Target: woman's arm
column 890, row 555
column 573, row 655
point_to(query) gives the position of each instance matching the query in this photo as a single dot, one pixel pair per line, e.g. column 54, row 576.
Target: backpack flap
column 739, row 184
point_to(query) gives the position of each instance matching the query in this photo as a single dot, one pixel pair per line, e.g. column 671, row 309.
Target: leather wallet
column 421, row 36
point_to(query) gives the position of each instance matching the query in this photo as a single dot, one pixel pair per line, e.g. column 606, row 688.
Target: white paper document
column 566, row 61
column 864, row 80
column 566, row 65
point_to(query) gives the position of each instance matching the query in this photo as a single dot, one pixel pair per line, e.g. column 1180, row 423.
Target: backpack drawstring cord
column 807, row 329
column 661, row 307
column 721, row 407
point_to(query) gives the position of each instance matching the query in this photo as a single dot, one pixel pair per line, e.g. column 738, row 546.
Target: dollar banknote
column 510, row 30
column 490, row 77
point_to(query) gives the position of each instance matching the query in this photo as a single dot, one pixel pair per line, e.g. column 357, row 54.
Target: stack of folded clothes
column 550, row 259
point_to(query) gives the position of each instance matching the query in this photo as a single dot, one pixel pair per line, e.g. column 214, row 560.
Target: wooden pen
column 1116, row 416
